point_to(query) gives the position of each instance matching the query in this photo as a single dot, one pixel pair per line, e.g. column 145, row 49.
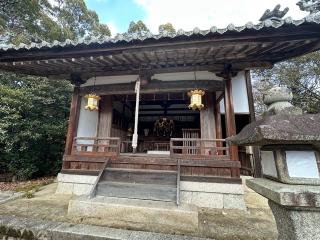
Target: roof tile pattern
column 312, row 18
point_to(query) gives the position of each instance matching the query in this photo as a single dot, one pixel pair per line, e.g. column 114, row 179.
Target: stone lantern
column 290, row 146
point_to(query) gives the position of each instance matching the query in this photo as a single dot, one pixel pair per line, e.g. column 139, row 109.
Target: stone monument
column 290, row 159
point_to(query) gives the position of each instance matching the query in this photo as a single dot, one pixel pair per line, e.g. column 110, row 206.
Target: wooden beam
column 72, row 125
column 89, row 69
column 161, row 109
column 142, row 114
column 156, row 86
column 173, row 162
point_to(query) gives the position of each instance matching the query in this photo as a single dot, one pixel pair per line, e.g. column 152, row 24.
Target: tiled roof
column 231, row 28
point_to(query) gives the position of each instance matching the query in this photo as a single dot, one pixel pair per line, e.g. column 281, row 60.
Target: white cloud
column 113, row 28
column 188, row 14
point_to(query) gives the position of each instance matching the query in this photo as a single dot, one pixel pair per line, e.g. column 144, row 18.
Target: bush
column 33, row 122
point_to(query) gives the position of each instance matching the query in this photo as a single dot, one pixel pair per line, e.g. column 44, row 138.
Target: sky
column 185, row 14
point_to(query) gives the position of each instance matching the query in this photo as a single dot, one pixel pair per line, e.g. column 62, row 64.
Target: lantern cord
column 195, row 75
column 94, row 83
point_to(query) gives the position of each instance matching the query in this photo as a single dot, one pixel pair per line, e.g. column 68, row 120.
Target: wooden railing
column 144, row 146
column 92, row 193
column 199, row 148
column 108, row 146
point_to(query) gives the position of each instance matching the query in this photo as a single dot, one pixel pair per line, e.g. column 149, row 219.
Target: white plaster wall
column 239, row 94
column 88, row 121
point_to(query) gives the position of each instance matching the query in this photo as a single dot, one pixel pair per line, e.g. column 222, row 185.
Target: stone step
column 150, row 214
column 144, row 176
column 154, row 192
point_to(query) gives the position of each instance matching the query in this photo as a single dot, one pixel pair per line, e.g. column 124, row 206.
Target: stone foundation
column 213, row 195
column 200, row 194
column 75, row 184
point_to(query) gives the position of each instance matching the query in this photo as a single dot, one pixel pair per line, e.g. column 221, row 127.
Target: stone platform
column 254, row 224
column 22, row 228
column 151, row 214
column 6, row 196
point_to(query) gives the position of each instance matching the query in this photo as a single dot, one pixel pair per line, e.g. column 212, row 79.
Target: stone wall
column 213, row 195
column 75, row 184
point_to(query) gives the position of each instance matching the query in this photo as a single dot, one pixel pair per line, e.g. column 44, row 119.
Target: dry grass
column 25, row 186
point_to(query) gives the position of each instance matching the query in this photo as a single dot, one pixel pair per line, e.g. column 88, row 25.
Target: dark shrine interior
column 170, row 110
column 161, row 116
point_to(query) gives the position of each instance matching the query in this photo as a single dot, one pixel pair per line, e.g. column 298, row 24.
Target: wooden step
column 153, row 192
column 145, row 176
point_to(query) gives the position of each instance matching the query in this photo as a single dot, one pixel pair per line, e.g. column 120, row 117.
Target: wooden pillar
column 136, row 117
column 73, row 119
column 230, row 120
column 207, row 124
column 256, row 152
column 207, row 120
column 105, row 117
column 217, row 118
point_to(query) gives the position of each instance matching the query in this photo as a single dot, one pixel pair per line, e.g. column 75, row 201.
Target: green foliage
column 77, row 21
column 301, row 75
column 167, row 28
column 33, row 121
column 25, row 21
column 138, row 28
column 29, row 194
column 33, row 110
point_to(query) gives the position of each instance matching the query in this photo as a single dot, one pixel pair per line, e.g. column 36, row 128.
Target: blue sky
column 185, row 14
column 117, row 13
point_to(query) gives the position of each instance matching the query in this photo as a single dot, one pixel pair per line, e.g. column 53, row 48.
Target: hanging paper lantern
column 196, row 99
column 93, row 102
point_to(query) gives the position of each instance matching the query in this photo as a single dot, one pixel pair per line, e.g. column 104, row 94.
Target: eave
column 246, row 47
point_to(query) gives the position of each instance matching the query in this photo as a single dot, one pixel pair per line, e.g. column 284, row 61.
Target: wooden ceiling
column 244, row 50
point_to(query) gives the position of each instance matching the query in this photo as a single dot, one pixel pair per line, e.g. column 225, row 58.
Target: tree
column 167, row 29
column 301, row 75
column 138, row 28
column 25, row 21
column 34, row 111
column 77, row 21
column 33, row 122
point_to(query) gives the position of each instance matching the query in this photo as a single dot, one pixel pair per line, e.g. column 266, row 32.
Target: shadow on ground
column 255, row 224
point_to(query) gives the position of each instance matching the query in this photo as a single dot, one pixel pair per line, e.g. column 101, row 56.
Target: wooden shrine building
column 144, row 137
